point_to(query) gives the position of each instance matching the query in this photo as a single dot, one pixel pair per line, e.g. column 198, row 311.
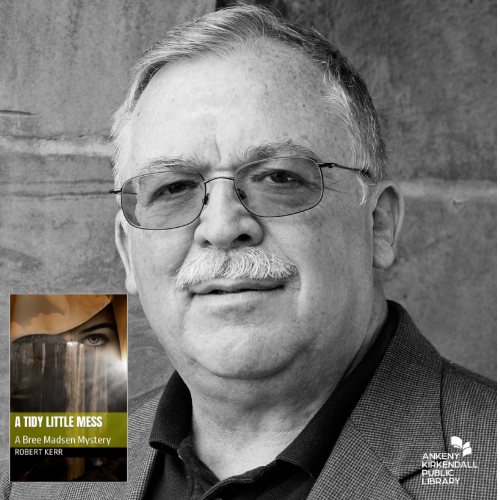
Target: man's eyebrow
column 275, row 149
column 100, row 325
column 253, row 153
column 155, row 164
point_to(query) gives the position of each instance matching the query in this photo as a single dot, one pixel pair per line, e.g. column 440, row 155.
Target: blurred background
column 430, row 68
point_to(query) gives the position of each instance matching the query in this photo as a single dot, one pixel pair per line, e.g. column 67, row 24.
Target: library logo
column 457, row 443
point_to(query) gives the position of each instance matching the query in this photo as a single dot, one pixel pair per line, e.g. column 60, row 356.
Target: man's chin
column 250, row 360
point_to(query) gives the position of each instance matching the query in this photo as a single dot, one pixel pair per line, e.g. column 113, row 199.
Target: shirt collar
column 172, row 421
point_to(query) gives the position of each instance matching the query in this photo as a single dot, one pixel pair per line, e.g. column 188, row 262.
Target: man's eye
column 282, row 177
column 175, row 188
column 95, row 340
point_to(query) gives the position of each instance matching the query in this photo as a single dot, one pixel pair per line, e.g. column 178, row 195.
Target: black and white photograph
column 299, row 200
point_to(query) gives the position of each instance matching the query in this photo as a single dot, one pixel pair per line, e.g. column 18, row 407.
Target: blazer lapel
column 395, row 422
column 354, row 471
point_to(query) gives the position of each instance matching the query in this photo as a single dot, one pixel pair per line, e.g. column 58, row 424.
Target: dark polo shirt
column 179, row 474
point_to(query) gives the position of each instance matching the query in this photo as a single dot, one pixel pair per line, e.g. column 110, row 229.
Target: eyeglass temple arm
column 115, row 191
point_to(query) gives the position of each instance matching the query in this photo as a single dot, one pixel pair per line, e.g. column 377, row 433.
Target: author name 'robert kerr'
column 38, row 451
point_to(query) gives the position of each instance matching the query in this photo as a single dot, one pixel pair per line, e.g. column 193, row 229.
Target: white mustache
column 258, row 263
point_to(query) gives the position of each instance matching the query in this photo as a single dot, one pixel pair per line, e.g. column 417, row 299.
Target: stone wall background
column 430, row 67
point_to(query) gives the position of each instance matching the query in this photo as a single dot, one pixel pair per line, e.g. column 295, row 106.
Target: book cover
column 68, row 382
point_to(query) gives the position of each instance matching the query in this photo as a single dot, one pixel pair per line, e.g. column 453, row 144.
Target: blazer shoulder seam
column 449, row 367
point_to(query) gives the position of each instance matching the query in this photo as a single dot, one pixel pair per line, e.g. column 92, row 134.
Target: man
column 258, row 216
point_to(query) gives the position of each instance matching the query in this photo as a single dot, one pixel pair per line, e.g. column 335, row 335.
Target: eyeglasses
column 175, row 196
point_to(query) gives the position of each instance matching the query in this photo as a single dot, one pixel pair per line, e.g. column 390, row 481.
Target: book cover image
column 68, row 387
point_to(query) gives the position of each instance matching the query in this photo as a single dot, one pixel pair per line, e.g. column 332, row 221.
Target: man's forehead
column 268, row 64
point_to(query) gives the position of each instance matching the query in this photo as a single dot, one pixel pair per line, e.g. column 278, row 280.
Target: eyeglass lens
column 270, row 188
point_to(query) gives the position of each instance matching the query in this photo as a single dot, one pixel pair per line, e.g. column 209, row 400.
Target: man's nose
column 224, row 221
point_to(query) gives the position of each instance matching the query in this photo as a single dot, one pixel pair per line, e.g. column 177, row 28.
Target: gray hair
column 221, row 33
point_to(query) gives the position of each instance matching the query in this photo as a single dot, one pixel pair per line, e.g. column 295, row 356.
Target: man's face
column 212, row 112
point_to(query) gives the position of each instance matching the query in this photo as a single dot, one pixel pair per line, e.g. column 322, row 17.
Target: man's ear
column 387, row 212
column 122, row 241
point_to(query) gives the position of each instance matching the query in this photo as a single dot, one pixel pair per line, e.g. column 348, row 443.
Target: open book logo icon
column 465, row 448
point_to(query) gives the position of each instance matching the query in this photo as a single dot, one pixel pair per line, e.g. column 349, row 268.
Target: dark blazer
column 414, row 404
